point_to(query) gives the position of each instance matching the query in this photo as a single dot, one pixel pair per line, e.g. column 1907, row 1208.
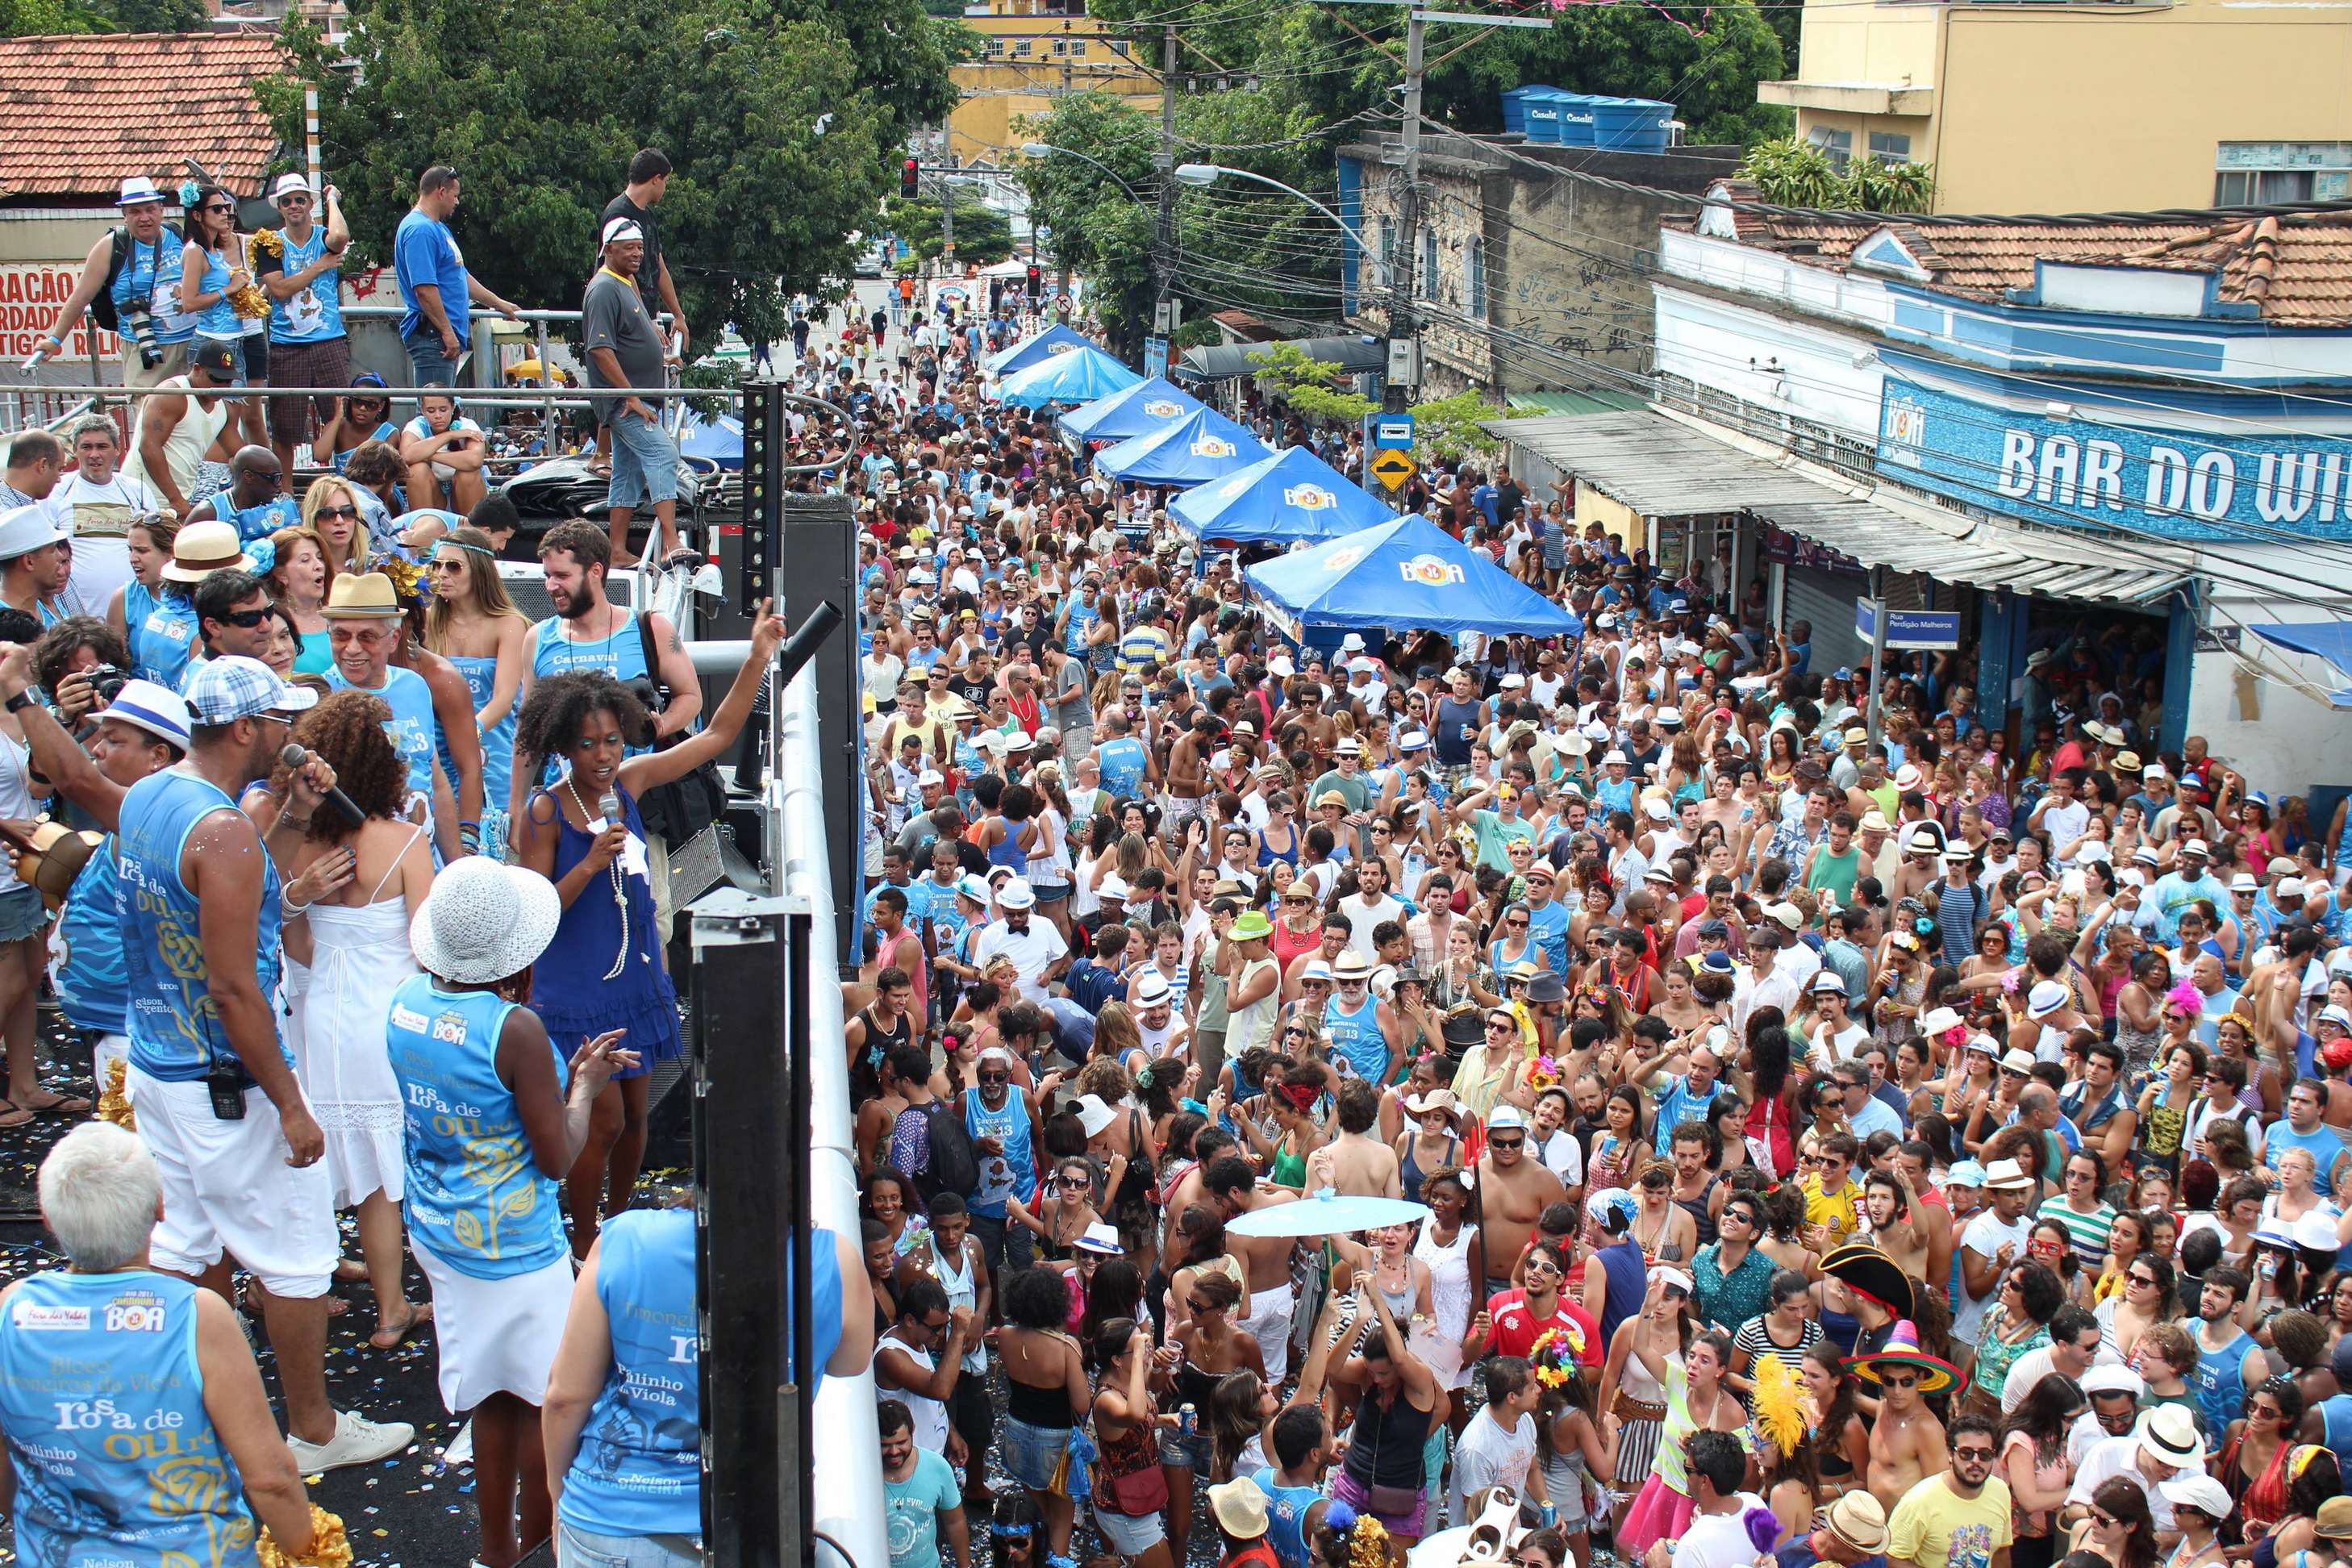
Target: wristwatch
column 18, row 703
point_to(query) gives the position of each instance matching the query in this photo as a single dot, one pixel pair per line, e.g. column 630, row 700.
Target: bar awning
column 1660, row 466
column 1226, row 362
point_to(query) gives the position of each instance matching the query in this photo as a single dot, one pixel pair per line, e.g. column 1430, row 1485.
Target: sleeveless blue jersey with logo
column 103, row 1406
column 176, row 1027
column 475, row 1197
column 639, row 1469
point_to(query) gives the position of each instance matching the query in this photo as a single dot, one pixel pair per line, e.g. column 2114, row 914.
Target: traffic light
column 908, row 173
column 1036, row 281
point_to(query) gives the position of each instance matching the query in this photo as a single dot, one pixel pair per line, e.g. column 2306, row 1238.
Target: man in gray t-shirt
column 626, row 349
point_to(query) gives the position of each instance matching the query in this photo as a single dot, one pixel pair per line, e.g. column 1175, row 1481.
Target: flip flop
column 350, row 1270
column 419, row 1314
column 15, row 1115
column 59, row 1105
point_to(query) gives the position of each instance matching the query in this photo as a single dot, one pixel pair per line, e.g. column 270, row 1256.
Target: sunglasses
column 349, row 511
column 1972, row 1452
column 1507, row 1142
column 246, row 618
column 1893, row 1380
column 996, row 1078
column 216, row 207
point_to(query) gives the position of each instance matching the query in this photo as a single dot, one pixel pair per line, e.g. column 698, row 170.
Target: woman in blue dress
column 605, row 969
column 474, row 626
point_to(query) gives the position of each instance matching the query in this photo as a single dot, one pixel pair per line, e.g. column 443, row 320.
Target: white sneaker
column 357, row 1441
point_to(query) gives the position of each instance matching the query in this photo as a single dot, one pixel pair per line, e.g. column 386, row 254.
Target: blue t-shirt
column 425, row 251
column 315, row 315
column 1122, row 762
column 910, row 1511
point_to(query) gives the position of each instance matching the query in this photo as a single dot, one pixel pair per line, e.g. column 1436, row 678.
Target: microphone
column 608, row 806
column 294, row 756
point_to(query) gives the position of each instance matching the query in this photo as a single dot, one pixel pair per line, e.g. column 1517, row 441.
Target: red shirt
column 1517, row 1328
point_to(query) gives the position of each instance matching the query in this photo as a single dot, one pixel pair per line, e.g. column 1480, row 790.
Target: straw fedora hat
column 363, row 596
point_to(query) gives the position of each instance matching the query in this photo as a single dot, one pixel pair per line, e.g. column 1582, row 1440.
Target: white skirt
column 496, row 1336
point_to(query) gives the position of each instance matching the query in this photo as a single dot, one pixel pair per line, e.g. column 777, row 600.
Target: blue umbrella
column 1055, row 340
column 1201, row 447
column 1326, row 1213
column 1143, row 407
column 1292, row 495
column 1082, row 375
column 1407, row 573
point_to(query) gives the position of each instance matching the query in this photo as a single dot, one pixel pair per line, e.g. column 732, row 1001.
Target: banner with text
column 2077, row 472
column 30, row 294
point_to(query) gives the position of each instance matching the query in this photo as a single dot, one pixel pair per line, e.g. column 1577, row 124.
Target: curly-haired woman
column 346, row 911
column 604, row 970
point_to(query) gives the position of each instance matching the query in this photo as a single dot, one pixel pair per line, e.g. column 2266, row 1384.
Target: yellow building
column 1037, row 51
column 2097, row 105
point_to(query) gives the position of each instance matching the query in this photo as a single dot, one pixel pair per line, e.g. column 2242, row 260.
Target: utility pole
column 1163, row 164
column 1403, row 328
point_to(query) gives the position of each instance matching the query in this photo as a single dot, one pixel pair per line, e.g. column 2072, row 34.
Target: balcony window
column 1837, row 144
column 2252, row 173
column 1890, row 146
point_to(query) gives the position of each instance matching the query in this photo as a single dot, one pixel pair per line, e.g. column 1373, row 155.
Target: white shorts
column 103, row 1054
column 494, row 1336
column 1269, row 1321
column 228, row 1189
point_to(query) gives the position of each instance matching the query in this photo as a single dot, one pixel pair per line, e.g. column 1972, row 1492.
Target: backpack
column 118, row 255
column 952, row 1166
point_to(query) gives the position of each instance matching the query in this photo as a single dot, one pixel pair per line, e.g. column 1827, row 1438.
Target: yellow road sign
column 1392, row 468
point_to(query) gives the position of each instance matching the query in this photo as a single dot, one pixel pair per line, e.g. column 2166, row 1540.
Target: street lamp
column 1201, row 176
column 1047, row 150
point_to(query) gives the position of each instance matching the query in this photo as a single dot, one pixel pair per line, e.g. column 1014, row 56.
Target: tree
column 982, row 233
column 540, row 107
column 1449, row 428
column 28, row 18
column 1310, row 384
column 1790, row 173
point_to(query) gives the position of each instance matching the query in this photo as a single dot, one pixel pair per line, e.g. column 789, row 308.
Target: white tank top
column 185, row 446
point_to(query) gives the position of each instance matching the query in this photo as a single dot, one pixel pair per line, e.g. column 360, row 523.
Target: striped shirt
column 1142, row 646
column 2089, row 1231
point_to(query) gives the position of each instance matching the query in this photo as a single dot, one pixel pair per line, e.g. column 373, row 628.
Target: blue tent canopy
column 1292, row 495
column 718, row 440
column 1056, row 339
column 1147, row 406
column 1082, row 375
column 2328, row 640
column 1405, row 573
column 1201, row 447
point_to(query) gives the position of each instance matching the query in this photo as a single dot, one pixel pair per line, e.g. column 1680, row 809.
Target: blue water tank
column 1543, row 113
column 1633, row 124
column 1515, row 109
column 1576, row 119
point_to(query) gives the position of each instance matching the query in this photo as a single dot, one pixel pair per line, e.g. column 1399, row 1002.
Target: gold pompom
column 1368, row 1542
column 329, row 1547
column 113, row 1101
column 1780, row 1405
column 268, row 242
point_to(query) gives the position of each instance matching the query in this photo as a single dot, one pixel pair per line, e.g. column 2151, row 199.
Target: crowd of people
column 1831, row 1141
column 1838, row 1140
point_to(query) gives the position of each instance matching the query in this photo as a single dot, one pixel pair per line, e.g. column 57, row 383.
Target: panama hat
column 1240, row 1507
column 2169, row 1435
column 1859, row 1519
column 1901, row 1349
column 202, row 549
column 1251, row 925
column 1865, row 1268
column 362, row 596
column 484, row 921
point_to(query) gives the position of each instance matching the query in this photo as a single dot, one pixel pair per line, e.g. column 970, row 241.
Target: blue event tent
column 1292, row 495
column 1147, row 406
column 1055, row 340
column 1082, row 375
column 1405, row 573
column 718, row 440
column 2330, row 641
column 1201, row 447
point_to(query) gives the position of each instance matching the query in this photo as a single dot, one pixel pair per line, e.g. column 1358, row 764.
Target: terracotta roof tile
column 2297, row 269
column 86, row 110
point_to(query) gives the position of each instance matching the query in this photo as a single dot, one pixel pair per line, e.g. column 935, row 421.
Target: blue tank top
column 386, row 430
column 639, row 1468
column 1015, row 1172
column 150, row 276
column 103, row 1405
column 621, row 656
column 1456, row 727
column 258, row 521
column 1627, row 1282
column 413, row 728
column 1122, row 763
column 162, row 629
column 498, row 741
column 92, row 986
column 1073, row 633
column 2219, row 1378
column 316, row 314
column 1357, row 1036
column 475, row 1198
column 175, row 1032
column 218, row 320
column 1006, row 851
column 1286, row 1515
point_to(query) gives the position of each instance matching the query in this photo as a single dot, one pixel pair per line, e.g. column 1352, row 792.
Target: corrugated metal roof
column 1662, row 468
column 1538, row 403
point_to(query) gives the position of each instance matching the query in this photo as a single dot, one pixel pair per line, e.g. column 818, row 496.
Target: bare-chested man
column 1906, row 1443
column 1512, row 1192
column 1356, row 1163
column 1231, row 1188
